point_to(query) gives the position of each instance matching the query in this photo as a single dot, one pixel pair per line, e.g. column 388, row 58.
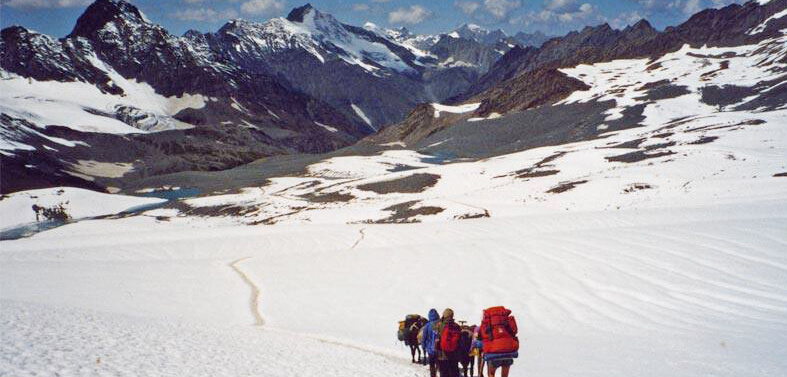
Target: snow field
column 16, row 209
column 650, row 292
column 59, row 341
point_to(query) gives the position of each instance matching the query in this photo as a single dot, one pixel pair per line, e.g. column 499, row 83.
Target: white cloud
column 467, row 7
column 45, row 3
column 691, row 6
column 562, row 6
column 415, row 14
column 257, row 7
column 360, row 7
column 626, row 19
column 204, row 14
column 501, row 9
column 686, row 7
column 566, row 13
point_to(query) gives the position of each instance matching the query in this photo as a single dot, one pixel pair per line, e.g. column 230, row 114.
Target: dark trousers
column 448, row 368
column 432, row 365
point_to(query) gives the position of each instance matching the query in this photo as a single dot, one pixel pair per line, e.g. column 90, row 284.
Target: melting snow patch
column 328, row 128
column 761, row 27
column 362, row 115
column 461, row 109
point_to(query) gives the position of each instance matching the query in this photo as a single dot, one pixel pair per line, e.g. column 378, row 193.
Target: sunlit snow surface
column 674, row 265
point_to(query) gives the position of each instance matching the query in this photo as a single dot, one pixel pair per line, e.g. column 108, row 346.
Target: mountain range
column 305, row 83
column 121, row 102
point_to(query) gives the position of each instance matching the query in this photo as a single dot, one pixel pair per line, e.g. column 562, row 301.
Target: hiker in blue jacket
column 430, row 334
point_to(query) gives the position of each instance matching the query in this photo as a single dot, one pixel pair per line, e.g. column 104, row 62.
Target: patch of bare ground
column 750, row 122
column 470, row 216
column 408, row 185
column 405, row 213
column 704, row 140
column 538, row 174
column 634, row 187
column 631, row 144
column 565, row 186
column 535, row 170
column 274, row 219
column 638, row 156
column 653, row 67
column 780, row 174
column 333, row 197
column 652, row 85
column 213, row 211
column 708, row 75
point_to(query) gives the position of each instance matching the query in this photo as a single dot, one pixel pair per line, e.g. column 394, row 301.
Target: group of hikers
column 445, row 343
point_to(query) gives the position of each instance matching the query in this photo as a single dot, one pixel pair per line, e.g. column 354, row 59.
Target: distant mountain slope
column 529, row 78
column 119, row 74
column 305, row 83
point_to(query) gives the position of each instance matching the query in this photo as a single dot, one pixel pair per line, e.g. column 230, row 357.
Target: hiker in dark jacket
column 448, row 363
column 430, row 336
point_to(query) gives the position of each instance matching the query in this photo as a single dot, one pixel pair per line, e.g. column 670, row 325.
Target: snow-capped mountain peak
column 324, row 37
column 479, row 34
column 110, row 15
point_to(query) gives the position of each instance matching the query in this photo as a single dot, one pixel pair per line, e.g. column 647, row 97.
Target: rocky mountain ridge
column 527, row 78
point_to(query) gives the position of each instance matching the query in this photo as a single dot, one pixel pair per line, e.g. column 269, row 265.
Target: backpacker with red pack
column 449, row 338
column 498, row 333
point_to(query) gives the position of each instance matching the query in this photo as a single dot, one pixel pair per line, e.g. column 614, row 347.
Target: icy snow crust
column 673, row 265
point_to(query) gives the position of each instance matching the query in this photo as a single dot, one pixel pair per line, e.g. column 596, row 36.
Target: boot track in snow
column 254, row 299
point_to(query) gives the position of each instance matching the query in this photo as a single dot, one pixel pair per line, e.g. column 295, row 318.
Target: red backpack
column 449, row 339
column 498, row 331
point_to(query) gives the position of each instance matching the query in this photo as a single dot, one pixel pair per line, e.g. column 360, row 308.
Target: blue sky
column 554, row 17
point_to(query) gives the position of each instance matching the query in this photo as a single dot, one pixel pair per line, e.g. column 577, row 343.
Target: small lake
column 438, row 158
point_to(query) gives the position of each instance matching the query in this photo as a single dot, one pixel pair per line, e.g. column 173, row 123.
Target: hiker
column 448, row 346
column 476, row 351
column 412, row 339
column 430, row 335
column 408, row 333
column 466, row 358
column 500, row 343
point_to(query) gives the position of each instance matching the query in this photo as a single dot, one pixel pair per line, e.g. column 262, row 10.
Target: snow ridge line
column 254, row 299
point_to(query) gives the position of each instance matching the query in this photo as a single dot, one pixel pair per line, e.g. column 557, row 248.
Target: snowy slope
column 83, row 107
column 77, row 203
column 96, row 343
column 697, row 290
column 684, row 151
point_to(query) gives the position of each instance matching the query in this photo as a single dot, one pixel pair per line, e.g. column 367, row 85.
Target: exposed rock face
column 529, row 90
